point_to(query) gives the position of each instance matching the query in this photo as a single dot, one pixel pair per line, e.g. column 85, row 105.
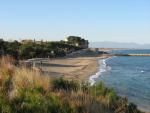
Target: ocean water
column 128, row 75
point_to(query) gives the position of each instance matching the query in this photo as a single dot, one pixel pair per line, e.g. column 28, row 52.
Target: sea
column 128, row 75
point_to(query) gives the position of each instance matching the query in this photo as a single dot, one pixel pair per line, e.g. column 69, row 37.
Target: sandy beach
column 76, row 68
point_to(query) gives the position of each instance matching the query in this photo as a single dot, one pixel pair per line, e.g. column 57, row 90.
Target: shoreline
column 79, row 65
column 99, row 73
column 102, row 67
column 79, row 69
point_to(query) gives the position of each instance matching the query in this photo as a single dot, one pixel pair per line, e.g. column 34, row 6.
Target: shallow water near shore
column 129, row 76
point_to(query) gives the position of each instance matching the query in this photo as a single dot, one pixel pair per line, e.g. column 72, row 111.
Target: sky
column 95, row 20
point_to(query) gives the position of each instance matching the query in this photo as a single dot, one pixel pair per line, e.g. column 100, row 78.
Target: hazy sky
column 95, row 20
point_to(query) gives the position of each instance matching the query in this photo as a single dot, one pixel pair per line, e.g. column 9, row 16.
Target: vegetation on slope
column 32, row 49
column 27, row 91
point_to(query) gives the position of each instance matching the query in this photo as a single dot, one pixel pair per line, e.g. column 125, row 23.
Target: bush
column 33, row 101
column 111, row 98
column 132, row 108
column 99, row 89
column 66, row 85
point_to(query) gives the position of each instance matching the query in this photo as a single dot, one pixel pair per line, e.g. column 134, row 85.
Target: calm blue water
column 130, row 77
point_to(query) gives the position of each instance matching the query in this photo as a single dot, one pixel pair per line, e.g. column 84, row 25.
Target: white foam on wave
column 103, row 68
column 142, row 71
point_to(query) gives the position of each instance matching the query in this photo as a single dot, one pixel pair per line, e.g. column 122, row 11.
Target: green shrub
column 4, row 104
column 66, row 85
column 132, row 108
column 99, row 89
column 111, row 98
column 33, row 101
column 85, row 87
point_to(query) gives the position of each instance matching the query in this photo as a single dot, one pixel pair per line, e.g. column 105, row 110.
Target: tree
column 27, row 51
column 1, row 43
column 74, row 39
column 77, row 41
column 2, row 46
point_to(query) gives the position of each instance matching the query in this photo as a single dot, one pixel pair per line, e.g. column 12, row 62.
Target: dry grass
column 21, row 77
column 83, row 102
column 6, row 67
column 25, row 78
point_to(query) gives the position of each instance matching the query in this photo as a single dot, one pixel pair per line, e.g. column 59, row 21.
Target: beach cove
column 78, row 68
column 89, row 67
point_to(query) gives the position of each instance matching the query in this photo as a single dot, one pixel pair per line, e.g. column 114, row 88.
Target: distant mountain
column 118, row 45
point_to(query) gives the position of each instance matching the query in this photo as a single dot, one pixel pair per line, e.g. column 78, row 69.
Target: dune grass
column 26, row 91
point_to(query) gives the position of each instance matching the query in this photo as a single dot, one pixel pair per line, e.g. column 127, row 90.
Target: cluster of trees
column 77, row 41
column 10, row 48
column 33, row 49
